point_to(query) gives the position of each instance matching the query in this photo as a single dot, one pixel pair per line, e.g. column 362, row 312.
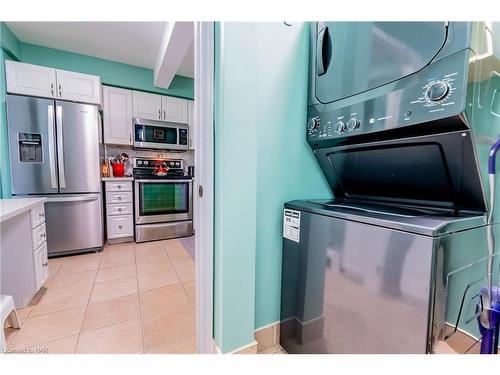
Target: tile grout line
column 88, row 301
column 181, row 282
column 140, row 306
column 58, row 311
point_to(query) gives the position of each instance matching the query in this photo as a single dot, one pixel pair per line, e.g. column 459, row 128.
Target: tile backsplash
column 111, row 151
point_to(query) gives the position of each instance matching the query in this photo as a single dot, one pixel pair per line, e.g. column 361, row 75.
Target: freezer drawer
column 74, row 223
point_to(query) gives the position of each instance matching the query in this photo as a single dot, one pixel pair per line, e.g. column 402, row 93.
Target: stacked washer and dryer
column 401, row 118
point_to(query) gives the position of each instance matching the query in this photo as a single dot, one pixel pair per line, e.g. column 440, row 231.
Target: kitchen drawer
column 118, row 186
column 125, row 197
column 39, row 236
column 41, row 265
column 119, row 209
column 37, row 216
column 120, row 226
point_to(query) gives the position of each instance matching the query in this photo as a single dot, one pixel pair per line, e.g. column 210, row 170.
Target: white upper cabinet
column 174, row 109
column 78, row 87
column 191, row 123
column 147, row 106
column 27, row 79
column 117, row 109
column 30, row 79
column 161, row 108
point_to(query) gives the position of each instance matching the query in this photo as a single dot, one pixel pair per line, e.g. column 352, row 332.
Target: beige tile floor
column 130, row 298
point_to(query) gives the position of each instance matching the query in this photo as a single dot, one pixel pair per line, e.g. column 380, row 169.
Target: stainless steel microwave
column 160, row 135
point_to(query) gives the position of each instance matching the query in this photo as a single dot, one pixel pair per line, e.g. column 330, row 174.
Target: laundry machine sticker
column 291, row 225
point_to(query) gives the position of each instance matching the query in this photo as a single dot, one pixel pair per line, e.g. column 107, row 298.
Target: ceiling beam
column 177, row 39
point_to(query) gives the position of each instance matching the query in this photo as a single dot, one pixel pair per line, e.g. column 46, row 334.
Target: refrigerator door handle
column 52, row 149
column 60, row 147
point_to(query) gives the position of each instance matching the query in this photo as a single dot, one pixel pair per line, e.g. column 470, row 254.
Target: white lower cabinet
column 119, row 211
column 120, row 226
column 41, row 265
column 39, row 242
column 122, row 197
column 23, row 253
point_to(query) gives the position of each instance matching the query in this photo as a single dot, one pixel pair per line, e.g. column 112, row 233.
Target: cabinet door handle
column 43, row 235
column 130, row 138
column 52, row 89
column 45, row 264
column 119, row 198
column 60, row 91
column 119, row 187
column 41, row 214
column 164, row 114
column 119, row 226
column 159, row 114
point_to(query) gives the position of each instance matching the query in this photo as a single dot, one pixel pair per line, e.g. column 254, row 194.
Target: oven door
column 159, row 201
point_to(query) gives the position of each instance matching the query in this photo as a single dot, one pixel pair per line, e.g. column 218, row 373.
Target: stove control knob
column 313, row 123
column 340, row 127
column 437, row 91
column 353, row 124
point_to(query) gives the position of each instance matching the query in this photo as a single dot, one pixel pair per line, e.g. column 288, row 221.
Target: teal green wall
column 235, row 185
column 5, row 188
column 261, row 161
column 9, row 49
column 287, row 168
column 111, row 73
column 9, row 42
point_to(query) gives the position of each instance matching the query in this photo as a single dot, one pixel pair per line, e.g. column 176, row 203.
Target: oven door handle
column 190, row 181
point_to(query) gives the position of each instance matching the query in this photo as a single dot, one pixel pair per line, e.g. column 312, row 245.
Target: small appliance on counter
column 163, row 199
column 119, row 166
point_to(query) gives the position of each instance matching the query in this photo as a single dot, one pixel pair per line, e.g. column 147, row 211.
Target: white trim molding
column 204, row 181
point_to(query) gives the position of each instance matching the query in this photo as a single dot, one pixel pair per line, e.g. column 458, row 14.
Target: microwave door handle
column 60, row 146
column 52, row 149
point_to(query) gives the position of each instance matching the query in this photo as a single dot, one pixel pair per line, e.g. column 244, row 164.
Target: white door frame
column 204, row 172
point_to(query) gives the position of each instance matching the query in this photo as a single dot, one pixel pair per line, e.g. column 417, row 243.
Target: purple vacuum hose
column 489, row 335
column 489, row 341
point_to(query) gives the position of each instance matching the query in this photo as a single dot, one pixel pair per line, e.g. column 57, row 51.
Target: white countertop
column 13, row 207
column 117, row 179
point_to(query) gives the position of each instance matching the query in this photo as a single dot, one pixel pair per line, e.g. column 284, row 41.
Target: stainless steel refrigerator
column 55, row 151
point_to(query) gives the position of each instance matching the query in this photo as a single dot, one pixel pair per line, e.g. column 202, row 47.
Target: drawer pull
column 41, row 214
column 46, row 264
column 119, row 187
column 119, row 198
column 120, row 210
column 119, row 226
column 43, row 235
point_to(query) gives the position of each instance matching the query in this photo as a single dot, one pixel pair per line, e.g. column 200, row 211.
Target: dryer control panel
column 436, row 92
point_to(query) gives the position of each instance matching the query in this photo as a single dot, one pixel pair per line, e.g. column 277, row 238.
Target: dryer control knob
column 353, row 124
column 313, row 123
column 340, row 127
column 437, row 91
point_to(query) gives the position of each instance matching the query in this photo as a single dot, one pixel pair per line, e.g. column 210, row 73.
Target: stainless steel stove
column 163, row 199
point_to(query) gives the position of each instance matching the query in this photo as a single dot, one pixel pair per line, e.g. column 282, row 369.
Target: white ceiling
column 134, row 43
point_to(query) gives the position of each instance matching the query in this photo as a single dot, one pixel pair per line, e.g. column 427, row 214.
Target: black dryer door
column 353, row 57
